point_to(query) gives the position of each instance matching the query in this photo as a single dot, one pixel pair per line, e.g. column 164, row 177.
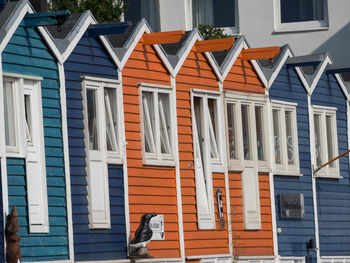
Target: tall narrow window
column 285, row 138
column 157, row 126
column 207, row 152
column 246, row 120
column 102, row 118
column 24, row 136
column 325, row 140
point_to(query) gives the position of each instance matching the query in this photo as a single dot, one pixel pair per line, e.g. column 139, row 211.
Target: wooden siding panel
column 196, row 73
column 28, row 54
column 250, row 242
column 243, row 78
column 333, row 195
column 89, row 58
column 151, row 188
column 288, row 87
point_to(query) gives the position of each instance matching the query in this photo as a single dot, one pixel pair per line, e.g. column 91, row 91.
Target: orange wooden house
column 150, row 130
column 248, row 146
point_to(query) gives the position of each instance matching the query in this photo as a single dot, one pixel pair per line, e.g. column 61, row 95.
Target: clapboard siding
column 27, row 54
column 295, row 234
column 89, row 58
column 196, row 73
column 242, row 77
column 250, row 242
column 333, row 195
column 151, row 188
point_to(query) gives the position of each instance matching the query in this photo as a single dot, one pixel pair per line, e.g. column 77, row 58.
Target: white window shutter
column 251, row 202
column 99, row 195
column 205, row 220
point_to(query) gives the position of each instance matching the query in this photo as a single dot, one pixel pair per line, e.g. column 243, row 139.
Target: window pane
column 197, row 105
column 10, row 127
column 110, row 98
column 202, row 11
column 92, row 119
column 318, row 146
column 232, row 136
column 164, row 119
column 246, row 130
column 29, row 125
column 148, row 121
column 260, row 132
column 224, row 13
column 302, row 10
column 290, row 139
column 277, row 135
column 214, row 151
column 330, row 139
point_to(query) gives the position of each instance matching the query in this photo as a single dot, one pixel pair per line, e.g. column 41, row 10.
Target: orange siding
column 243, row 78
column 250, row 242
column 196, row 73
column 151, row 188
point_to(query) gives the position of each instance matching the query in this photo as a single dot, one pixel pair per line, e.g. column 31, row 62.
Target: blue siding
column 26, row 53
column 333, row 195
column 295, row 233
column 89, row 58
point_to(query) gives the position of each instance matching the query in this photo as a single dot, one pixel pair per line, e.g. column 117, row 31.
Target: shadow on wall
column 338, row 45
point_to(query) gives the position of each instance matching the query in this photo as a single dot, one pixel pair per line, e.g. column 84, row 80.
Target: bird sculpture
column 143, row 235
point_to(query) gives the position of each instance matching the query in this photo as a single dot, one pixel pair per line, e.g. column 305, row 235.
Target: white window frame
column 206, row 165
column 299, row 26
column 98, row 159
column 227, row 30
column 327, row 171
column 252, row 101
column 33, row 150
column 284, row 168
column 158, row 158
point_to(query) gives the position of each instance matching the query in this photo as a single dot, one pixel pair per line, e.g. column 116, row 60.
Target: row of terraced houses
column 103, row 123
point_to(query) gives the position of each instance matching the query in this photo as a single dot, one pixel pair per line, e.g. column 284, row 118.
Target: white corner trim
column 66, row 160
column 178, row 178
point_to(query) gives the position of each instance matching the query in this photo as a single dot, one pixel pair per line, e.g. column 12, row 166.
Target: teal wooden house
column 33, row 147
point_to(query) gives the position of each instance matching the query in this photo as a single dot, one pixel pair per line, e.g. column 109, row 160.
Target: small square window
column 285, row 139
column 325, row 141
column 297, row 15
column 158, row 130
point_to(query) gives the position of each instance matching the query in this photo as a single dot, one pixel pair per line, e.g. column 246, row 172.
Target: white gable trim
column 135, row 38
column 279, row 67
column 342, row 85
column 228, row 65
column 214, row 65
column 325, row 62
column 14, row 22
column 184, row 51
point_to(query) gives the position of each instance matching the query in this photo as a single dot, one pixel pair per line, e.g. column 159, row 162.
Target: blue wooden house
column 96, row 140
column 290, row 157
column 329, row 118
column 33, row 163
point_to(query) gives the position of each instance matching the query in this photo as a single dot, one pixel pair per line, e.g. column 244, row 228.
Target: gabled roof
column 124, row 44
column 10, row 18
column 67, row 37
column 342, row 74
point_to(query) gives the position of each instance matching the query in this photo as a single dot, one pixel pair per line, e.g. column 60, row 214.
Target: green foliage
column 211, row 32
column 105, row 11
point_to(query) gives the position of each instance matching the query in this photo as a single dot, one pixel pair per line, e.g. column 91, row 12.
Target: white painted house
column 308, row 26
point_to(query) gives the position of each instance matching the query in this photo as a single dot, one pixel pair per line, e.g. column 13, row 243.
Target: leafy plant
column 211, row 32
column 105, row 11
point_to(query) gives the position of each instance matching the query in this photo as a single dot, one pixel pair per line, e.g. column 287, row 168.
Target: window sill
column 292, row 174
column 328, row 176
column 291, row 29
column 155, row 162
column 15, row 155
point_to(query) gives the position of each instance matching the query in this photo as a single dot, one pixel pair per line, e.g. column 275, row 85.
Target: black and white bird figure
column 143, row 233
